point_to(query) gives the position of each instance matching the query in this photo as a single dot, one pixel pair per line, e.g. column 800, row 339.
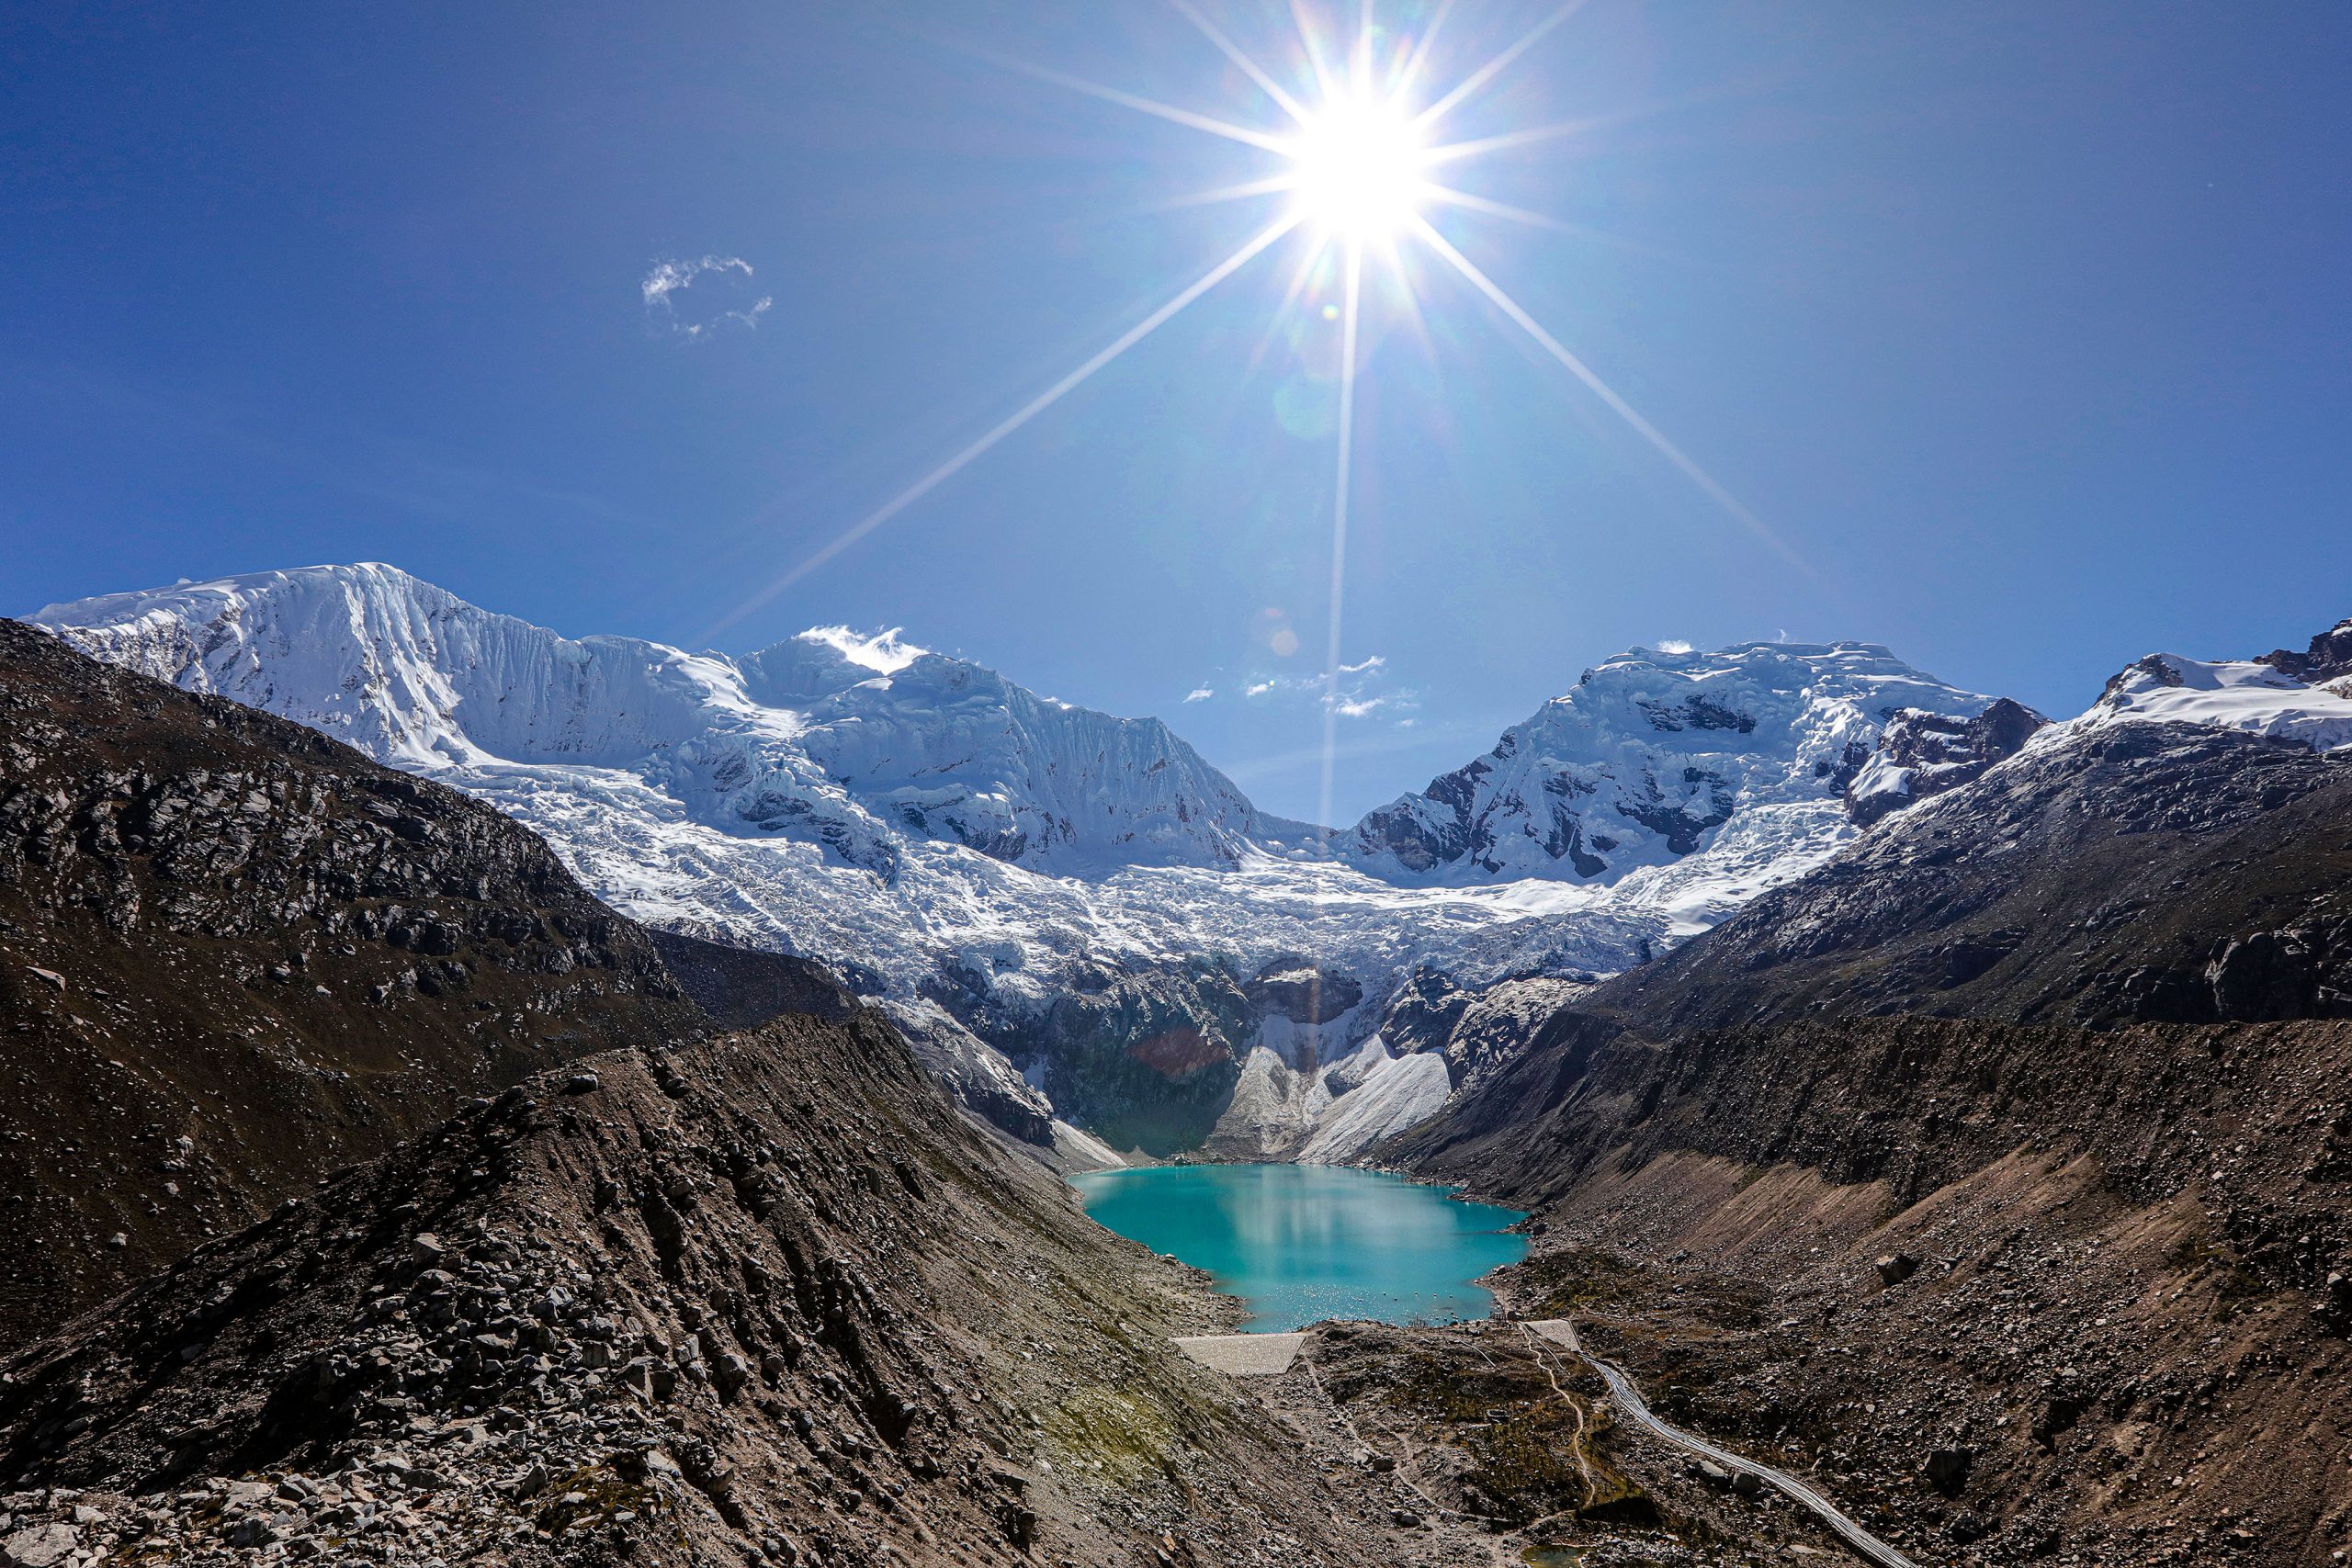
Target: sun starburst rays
column 1027, row 411
column 1350, row 324
column 1249, row 67
column 1353, row 166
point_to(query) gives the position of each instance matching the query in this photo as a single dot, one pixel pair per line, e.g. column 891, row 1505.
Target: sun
column 1357, row 169
column 1363, row 164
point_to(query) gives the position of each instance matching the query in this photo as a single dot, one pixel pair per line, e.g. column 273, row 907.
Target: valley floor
column 1487, row 1444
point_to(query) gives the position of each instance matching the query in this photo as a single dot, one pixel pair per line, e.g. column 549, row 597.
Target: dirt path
column 1576, row 1408
column 1560, row 1331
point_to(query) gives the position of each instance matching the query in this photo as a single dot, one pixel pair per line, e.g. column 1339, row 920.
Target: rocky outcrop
column 2329, row 658
column 1300, row 990
column 975, row 1072
column 1147, row 1061
column 761, row 1299
column 1922, row 755
column 235, row 955
column 1470, row 1029
column 1423, row 1009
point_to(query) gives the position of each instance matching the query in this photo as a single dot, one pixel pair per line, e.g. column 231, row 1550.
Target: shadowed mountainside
column 235, row 954
column 762, row 1298
column 2028, row 1112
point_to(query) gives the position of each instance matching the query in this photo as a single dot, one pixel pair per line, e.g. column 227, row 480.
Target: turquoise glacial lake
column 1302, row 1243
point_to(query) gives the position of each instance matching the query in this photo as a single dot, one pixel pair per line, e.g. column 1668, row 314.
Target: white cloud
column 884, row 652
column 726, row 295
column 1199, row 695
column 1674, row 645
column 1353, row 694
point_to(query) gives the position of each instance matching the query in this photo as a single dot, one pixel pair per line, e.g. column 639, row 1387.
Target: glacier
column 1083, row 894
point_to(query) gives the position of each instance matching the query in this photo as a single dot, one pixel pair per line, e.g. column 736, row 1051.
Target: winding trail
column 1562, row 1332
column 1576, row 1408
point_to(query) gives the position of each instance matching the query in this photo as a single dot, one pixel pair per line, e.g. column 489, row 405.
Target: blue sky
column 2023, row 325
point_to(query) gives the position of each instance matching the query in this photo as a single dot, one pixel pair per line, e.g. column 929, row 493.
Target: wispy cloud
column 1200, row 694
column 726, row 297
column 1673, row 644
column 1358, row 693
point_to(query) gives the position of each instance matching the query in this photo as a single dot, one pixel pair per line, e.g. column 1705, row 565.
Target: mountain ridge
column 1066, row 887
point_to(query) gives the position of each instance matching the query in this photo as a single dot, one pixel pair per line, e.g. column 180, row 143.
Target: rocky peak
column 1924, row 754
column 2329, row 656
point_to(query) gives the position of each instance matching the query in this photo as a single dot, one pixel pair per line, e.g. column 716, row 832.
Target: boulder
column 39, row 1546
column 1947, row 1469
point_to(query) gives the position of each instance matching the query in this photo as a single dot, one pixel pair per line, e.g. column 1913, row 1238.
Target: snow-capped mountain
column 1652, row 752
column 1082, row 893
column 2303, row 697
column 857, row 744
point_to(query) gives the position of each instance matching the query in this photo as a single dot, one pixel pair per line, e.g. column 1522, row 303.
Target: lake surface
column 1302, row 1243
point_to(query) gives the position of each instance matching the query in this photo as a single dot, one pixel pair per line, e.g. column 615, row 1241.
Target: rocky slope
column 235, row 954
column 1027, row 879
column 761, row 1299
column 2024, row 1117
column 758, row 1297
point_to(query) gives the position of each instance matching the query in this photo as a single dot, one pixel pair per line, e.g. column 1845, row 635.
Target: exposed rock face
column 1423, row 1011
column 1472, row 1030
column 760, row 1299
column 2329, row 658
column 977, row 1074
column 1299, row 991
column 1149, row 1061
column 235, row 954
column 1924, row 754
